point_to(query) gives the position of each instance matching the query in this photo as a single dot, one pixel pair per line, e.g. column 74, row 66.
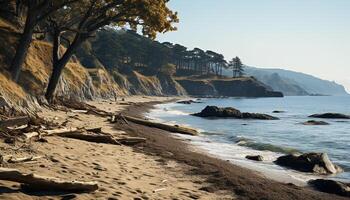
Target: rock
column 258, row 116
column 278, row 111
column 188, row 102
column 331, row 116
column 331, row 186
column 318, row 163
column 313, row 122
column 229, row 112
column 256, row 158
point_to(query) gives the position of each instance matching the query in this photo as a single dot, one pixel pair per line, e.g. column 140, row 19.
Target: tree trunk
column 59, row 65
column 22, row 47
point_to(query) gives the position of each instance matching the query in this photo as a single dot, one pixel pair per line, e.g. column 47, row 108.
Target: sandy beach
column 161, row 168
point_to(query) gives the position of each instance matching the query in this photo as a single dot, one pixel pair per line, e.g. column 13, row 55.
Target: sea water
column 233, row 139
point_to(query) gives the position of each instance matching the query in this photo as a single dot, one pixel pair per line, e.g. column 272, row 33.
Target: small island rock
column 229, row 112
column 331, row 116
column 314, row 122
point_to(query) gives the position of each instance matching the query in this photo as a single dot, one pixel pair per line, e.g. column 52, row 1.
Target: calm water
column 269, row 138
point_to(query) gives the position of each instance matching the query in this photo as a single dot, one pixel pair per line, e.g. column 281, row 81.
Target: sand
column 121, row 172
column 162, row 168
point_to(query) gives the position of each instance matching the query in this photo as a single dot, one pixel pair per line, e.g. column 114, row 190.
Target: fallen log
column 24, row 159
column 42, row 183
column 42, row 133
column 106, row 139
column 15, row 121
column 171, row 128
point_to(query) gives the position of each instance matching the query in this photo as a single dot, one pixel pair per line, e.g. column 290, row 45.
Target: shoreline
column 223, row 175
column 163, row 167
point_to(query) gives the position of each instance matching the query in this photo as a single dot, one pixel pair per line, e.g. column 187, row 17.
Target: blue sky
column 311, row 36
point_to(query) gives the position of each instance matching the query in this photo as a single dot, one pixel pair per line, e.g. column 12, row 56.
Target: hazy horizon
column 312, row 37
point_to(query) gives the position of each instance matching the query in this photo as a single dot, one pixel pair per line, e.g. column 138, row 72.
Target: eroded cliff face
column 77, row 82
column 240, row 87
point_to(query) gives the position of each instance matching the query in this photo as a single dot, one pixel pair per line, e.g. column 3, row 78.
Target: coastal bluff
column 227, row 87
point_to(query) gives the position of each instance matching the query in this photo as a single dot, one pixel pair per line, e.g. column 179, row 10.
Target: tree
column 237, row 67
column 148, row 16
column 36, row 12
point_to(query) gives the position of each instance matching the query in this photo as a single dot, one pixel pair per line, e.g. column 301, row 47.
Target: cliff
column 229, row 87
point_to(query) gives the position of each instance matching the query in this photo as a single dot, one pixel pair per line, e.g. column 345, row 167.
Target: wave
column 241, row 141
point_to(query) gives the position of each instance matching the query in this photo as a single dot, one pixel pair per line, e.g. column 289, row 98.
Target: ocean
column 233, row 139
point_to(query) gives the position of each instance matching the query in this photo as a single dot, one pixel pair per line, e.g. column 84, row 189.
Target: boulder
column 255, row 157
column 331, row 116
column 229, row 112
column 314, row 122
column 331, row 186
column 318, row 163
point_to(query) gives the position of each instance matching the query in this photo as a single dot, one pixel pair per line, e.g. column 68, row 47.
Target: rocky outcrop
column 198, row 88
column 315, row 123
column 331, row 116
column 229, row 112
column 242, row 87
column 318, row 163
column 331, row 186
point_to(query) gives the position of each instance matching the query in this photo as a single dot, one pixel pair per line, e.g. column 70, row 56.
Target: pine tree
column 237, row 67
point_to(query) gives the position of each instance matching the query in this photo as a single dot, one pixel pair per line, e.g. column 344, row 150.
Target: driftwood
column 106, row 139
column 24, row 159
column 75, row 133
column 15, row 121
column 42, row 183
column 75, row 105
column 90, row 138
column 171, row 128
column 42, row 133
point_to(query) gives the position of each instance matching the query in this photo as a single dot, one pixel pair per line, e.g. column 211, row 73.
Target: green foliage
column 237, row 67
column 122, row 48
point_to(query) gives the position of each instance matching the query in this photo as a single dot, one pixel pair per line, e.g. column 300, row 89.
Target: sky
column 310, row 36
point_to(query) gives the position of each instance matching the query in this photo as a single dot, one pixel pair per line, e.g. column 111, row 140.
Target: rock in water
column 309, row 162
column 256, row 158
column 214, row 111
column 229, row 112
column 278, row 111
column 188, row 102
column 331, row 186
column 331, row 116
column 313, row 122
column 258, row 116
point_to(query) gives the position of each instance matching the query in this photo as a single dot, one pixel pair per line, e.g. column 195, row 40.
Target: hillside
column 293, row 83
column 109, row 66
